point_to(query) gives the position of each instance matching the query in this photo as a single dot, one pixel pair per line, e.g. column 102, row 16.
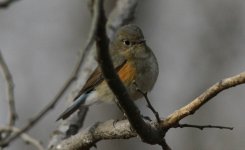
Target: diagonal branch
column 61, row 92
column 193, row 106
column 10, row 92
column 144, row 94
column 122, row 129
column 26, row 138
column 121, row 14
column 149, row 134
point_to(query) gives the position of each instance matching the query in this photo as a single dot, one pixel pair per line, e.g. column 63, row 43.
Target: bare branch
column 149, row 134
column 99, row 131
column 191, row 108
column 63, row 89
column 26, row 138
column 65, row 128
column 10, row 93
column 122, row 14
column 122, row 130
column 201, row 127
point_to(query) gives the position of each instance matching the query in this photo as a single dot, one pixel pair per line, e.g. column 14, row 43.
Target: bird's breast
column 147, row 73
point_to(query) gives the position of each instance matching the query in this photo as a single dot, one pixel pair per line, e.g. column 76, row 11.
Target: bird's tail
column 77, row 103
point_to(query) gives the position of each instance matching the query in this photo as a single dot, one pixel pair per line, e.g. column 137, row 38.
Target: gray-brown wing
column 95, row 78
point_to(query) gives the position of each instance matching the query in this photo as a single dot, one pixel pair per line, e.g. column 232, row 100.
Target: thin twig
column 63, row 89
column 148, row 102
column 151, row 107
column 194, row 105
column 26, row 138
column 10, row 93
column 122, row 129
column 201, row 127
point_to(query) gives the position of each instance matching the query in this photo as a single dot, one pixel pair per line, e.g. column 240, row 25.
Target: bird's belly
column 105, row 94
column 147, row 77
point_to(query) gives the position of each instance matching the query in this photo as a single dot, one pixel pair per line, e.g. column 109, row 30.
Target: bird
column 135, row 64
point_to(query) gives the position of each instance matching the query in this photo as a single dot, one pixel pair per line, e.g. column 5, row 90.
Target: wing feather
column 95, row 78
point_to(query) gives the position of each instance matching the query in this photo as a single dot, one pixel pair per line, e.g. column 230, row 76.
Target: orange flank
column 127, row 73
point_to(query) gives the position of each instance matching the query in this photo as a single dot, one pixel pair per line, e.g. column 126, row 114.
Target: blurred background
column 197, row 43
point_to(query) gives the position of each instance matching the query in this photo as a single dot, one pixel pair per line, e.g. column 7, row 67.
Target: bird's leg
column 121, row 109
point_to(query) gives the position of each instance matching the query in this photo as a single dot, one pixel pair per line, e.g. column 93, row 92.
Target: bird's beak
column 141, row 41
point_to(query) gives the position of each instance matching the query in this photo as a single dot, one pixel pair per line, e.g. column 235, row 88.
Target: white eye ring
column 126, row 42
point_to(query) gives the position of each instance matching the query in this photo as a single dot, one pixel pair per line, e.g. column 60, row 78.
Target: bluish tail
column 77, row 103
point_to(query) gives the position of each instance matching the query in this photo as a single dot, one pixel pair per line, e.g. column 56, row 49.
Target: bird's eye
column 126, row 42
